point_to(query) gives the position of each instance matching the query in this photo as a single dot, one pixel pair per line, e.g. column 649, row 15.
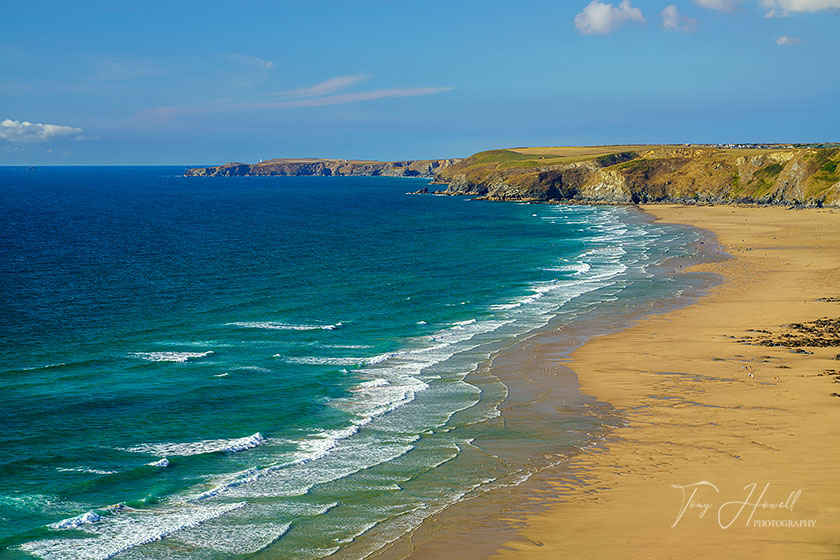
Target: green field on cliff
column 792, row 174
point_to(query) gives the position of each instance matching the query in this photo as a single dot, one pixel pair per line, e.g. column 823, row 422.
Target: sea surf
column 280, row 366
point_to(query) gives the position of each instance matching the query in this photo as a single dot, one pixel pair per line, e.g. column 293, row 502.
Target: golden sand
column 702, row 406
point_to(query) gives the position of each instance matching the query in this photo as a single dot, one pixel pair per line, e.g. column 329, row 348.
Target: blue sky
column 208, row 82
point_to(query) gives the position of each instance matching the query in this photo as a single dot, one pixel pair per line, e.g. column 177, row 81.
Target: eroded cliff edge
column 324, row 168
column 779, row 175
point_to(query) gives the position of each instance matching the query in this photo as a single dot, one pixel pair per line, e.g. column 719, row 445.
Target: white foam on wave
column 379, row 359
column 162, row 463
column 179, row 357
column 612, row 238
column 232, row 539
column 450, row 338
column 372, row 383
column 316, row 446
column 320, row 444
column 125, row 530
column 506, row 306
column 578, row 269
column 321, row 360
column 375, row 400
column 364, row 528
column 78, row 521
column 537, row 291
column 329, row 460
column 85, row 470
column 611, row 251
column 336, row 360
column 199, row 447
column 397, row 380
column 245, row 531
column 272, row 325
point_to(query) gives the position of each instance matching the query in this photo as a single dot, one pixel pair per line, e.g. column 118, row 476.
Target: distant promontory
column 325, row 168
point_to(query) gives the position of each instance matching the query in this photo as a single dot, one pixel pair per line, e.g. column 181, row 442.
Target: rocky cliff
column 808, row 176
column 325, row 167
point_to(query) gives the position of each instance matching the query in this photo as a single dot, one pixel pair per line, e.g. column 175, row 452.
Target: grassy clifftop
column 625, row 174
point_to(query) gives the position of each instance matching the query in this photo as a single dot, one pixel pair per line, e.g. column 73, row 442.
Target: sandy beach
column 729, row 447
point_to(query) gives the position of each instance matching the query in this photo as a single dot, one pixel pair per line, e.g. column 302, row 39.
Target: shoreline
column 703, row 405
column 680, row 378
column 542, row 389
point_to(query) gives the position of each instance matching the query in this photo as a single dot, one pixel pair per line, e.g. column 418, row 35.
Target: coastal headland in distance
column 769, row 174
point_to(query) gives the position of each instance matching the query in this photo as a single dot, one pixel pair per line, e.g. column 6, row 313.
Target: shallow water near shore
column 280, row 367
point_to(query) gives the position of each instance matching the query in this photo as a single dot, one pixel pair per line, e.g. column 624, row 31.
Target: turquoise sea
column 278, row 367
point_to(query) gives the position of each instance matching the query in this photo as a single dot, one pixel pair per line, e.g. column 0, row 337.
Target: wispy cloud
column 25, row 131
column 720, row 5
column 318, row 95
column 785, row 41
column 601, row 19
column 326, row 87
column 672, row 20
column 252, row 61
column 349, row 98
column 776, row 8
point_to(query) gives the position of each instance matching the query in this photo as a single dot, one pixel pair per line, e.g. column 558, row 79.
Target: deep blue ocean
column 274, row 367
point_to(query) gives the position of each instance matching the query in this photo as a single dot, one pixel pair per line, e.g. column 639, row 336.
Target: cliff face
column 786, row 176
column 619, row 175
column 325, row 168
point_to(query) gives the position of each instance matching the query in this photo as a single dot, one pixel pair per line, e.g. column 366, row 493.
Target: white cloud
column 326, row 87
column 25, row 131
column 720, row 5
column 785, row 41
column 786, row 7
column 673, row 21
column 601, row 19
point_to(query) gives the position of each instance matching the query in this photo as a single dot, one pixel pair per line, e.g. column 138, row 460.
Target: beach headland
column 776, row 174
column 729, row 447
